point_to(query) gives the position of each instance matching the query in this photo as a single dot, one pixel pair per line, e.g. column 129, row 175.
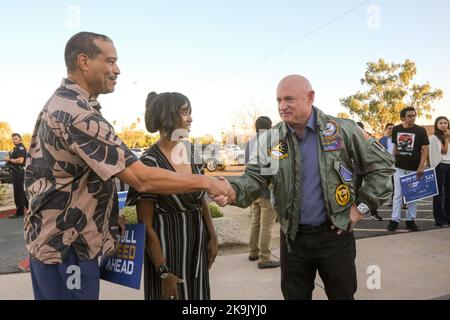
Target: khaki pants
column 263, row 218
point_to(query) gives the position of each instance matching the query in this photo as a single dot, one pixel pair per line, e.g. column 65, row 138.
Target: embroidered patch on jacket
column 279, row 151
column 331, row 130
column 365, row 133
column 380, row 147
column 346, row 174
column 342, row 195
column 332, row 145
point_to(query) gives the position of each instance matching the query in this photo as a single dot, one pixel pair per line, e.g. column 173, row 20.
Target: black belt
column 302, row 228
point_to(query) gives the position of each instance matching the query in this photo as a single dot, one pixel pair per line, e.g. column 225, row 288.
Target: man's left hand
column 355, row 216
column 420, row 172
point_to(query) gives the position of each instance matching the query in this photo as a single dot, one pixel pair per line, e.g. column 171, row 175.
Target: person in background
column 263, row 214
column 308, row 159
column 440, row 160
column 386, row 142
column 16, row 162
column 411, row 147
column 181, row 240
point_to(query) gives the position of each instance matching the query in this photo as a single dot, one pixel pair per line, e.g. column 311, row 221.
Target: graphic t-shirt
column 409, row 142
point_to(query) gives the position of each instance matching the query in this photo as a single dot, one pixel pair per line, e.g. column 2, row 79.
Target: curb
column 5, row 214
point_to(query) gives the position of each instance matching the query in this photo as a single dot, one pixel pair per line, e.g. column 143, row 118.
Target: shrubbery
column 131, row 215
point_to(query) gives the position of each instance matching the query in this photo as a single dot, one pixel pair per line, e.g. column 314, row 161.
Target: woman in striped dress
column 181, row 241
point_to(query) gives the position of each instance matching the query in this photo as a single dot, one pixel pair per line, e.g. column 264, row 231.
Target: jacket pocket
column 277, row 196
column 340, row 184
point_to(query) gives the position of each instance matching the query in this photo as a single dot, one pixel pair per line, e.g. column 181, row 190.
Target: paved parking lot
column 12, row 245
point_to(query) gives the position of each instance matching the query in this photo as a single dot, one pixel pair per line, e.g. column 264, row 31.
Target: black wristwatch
column 163, row 271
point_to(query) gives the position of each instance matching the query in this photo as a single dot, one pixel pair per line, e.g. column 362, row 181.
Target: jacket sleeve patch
column 342, row 195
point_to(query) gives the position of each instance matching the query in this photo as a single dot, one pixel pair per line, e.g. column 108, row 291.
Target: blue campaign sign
column 125, row 267
column 122, row 198
column 415, row 190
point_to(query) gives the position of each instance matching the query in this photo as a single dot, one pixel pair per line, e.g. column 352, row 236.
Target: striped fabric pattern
column 178, row 221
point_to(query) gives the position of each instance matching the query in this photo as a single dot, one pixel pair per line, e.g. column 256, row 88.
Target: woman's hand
column 122, row 221
column 170, row 287
column 447, row 133
column 212, row 250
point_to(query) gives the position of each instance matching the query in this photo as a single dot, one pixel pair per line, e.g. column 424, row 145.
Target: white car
column 238, row 153
column 138, row 151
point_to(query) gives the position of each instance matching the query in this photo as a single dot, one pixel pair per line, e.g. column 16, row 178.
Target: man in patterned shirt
column 73, row 158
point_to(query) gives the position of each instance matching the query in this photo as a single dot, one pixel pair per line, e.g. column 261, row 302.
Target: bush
column 216, row 212
column 3, row 193
column 130, row 215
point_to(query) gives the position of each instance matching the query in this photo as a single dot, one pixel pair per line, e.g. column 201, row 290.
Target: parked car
column 138, row 151
column 237, row 153
column 214, row 157
column 5, row 175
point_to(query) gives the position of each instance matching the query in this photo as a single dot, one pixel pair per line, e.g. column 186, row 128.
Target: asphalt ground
column 12, row 244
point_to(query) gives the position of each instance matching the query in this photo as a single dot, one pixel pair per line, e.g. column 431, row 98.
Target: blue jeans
column 71, row 280
column 441, row 202
column 398, row 198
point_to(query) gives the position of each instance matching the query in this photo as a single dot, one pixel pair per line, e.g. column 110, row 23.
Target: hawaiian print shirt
column 73, row 157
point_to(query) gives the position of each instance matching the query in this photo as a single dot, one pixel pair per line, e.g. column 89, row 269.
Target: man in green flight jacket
column 307, row 161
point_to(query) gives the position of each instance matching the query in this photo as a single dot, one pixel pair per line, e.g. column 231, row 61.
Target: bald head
column 296, row 80
column 295, row 98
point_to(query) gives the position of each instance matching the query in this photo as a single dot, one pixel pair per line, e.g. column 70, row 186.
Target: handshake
column 221, row 191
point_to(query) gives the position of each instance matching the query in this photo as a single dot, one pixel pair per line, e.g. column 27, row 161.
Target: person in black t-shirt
column 16, row 163
column 410, row 152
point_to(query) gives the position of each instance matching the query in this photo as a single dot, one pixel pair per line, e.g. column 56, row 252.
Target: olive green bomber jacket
column 341, row 146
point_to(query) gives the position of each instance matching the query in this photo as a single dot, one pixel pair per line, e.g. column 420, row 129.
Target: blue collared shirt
column 312, row 209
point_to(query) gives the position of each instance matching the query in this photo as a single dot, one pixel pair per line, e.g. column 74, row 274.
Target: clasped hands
column 221, row 192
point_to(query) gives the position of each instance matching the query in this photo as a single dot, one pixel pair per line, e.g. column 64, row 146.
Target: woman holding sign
column 181, row 241
column 440, row 159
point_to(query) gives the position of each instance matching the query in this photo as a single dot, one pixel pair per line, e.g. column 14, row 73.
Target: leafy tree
column 26, row 140
column 151, row 139
column 243, row 119
column 5, row 136
column 206, row 139
column 390, row 89
column 343, row 115
column 133, row 138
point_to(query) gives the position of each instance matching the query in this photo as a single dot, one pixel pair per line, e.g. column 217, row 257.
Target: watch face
column 164, row 275
column 363, row 208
